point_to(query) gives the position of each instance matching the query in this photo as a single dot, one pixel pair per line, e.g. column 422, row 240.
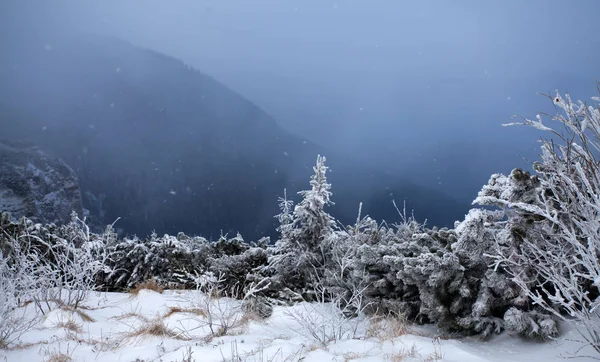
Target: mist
column 418, row 90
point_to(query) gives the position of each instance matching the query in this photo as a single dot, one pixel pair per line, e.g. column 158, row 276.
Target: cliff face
column 37, row 185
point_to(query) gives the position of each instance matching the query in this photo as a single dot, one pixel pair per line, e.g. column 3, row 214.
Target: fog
column 416, row 89
column 385, row 80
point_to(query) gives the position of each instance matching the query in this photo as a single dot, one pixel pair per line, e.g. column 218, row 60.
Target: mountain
column 36, row 185
column 167, row 148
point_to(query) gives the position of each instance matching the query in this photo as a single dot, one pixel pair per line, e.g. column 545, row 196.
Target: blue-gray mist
column 416, row 90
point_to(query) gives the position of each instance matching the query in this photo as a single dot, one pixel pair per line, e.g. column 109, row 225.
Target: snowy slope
column 115, row 332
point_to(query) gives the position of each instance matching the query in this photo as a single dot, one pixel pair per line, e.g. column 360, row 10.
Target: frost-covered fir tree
column 300, row 254
column 285, row 217
column 311, row 224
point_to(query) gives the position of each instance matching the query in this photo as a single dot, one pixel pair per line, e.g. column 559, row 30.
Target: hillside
column 167, row 148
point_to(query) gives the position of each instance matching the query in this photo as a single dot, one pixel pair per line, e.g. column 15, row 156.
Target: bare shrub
column 331, row 318
column 222, row 315
column 559, row 267
column 15, row 320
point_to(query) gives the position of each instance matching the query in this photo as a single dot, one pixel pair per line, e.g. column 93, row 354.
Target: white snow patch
column 116, row 317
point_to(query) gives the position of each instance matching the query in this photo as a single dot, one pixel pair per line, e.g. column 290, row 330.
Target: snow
column 109, row 336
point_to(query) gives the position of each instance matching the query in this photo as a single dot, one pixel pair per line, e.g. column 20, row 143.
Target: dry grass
column 248, row 317
column 235, row 325
column 151, row 284
column 69, row 325
column 195, row 311
column 130, row 315
column 56, row 354
column 22, row 346
column 156, row 328
column 59, row 357
column 387, row 328
column 353, row 355
column 403, row 354
column 83, row 315
column 101, row 344
column 312, row 347
column 437, row 354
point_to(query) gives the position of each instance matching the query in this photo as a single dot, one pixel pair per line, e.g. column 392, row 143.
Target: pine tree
column 285, row 217
column 311, row 224
column 299, row 256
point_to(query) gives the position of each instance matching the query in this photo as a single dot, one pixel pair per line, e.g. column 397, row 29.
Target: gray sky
column 387, row 80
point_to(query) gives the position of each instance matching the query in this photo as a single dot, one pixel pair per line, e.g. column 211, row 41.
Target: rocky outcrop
column 37, row 185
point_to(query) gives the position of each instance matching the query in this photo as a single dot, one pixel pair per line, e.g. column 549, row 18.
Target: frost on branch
column 556, row 263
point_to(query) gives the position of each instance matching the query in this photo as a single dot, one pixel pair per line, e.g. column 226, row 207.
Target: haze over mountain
column 416, row 92
column 166, row 148
column 399, row 84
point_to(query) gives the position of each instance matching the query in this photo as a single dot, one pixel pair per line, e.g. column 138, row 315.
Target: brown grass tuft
column 130, row 315
column 437, row 354
column 385, row 329
column 403, row 354
column 151, row 284
column 84, row 316
column 353, row 355
column 196, row 311
column 248, row 317
column 59, row 357
column 70, row 325
column 157, row 328
column 22, row 346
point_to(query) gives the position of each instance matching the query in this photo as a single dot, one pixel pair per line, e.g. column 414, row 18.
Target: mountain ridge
column 168, row 148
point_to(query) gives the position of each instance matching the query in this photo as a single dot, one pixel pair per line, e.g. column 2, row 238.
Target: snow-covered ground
column 170, row 326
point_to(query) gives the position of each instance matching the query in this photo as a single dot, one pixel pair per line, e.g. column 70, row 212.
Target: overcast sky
column 400, row 77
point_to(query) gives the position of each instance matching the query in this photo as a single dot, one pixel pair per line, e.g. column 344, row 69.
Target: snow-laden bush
column 167, row 259
column 359, row 264
column 557, row 263
column 13, row 321
column 239, row 263
column 174, row 261
column 434, row 275
column 57, row 265
column 505, row 229
column 80, row 258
